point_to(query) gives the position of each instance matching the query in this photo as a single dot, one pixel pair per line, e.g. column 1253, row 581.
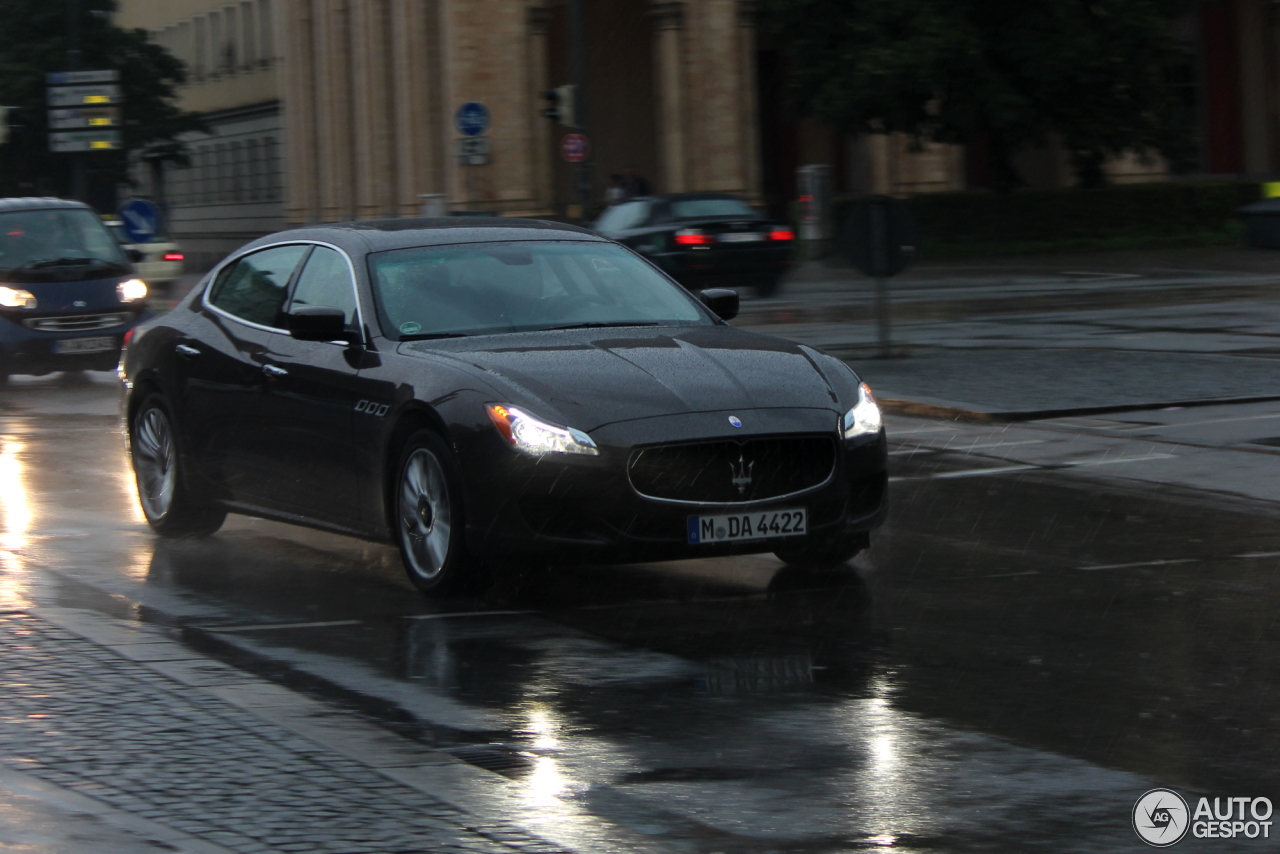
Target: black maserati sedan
column 481, row 392
column 68, row 291
column 704, row 239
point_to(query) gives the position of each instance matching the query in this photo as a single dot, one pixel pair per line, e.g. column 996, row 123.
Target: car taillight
column 782, row 234
column 128, row 336
column 174, row 256
column 692, row 237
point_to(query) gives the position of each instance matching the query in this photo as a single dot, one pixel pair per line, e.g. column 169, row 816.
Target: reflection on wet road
column 1019, row 656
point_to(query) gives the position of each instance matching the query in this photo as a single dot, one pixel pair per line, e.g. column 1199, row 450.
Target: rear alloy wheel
column 429, row 525
column 170, row 509
column 824, row 554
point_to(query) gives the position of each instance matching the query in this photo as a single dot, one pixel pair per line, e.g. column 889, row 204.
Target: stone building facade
column 322, row 110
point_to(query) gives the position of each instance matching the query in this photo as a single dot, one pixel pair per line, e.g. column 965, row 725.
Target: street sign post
column 575, row 148
column 74, row 78
column 88, row 95
column 84, row 140
column 879, row 238
column 84, row 113
column 77, row 118
column 473, row 151
column 141, row 220
column 472, row 118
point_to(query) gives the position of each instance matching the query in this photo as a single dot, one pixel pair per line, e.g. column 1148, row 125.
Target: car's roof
column 379, row 235
column 682, row 197
column 37, row 203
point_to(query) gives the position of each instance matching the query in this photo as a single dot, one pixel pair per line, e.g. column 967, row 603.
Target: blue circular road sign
column 141, row 220
column 472, row 118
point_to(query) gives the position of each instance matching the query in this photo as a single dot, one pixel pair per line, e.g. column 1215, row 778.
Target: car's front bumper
column 32, row 351
column 584, row 508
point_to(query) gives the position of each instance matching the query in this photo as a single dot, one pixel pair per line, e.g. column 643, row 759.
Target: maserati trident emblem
column 735, row 421
column 79, row 304
column 742, row 473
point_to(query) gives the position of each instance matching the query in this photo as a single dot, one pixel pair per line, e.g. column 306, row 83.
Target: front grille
column 729, row 472
column 77, row 322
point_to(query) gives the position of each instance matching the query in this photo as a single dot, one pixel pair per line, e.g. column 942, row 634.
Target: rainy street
column 1060, row 615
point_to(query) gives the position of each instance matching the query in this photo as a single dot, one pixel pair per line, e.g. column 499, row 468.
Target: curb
column 924, row 409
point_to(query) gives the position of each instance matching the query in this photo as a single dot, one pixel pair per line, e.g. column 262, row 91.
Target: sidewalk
column 131, row 742
column 1044, row 336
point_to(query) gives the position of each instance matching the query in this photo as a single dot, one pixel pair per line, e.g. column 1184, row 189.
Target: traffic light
column 560, row 107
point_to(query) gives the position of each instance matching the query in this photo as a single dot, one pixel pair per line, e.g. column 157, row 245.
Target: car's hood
column 591, row 377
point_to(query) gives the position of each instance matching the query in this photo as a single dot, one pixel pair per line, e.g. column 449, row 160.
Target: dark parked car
column 485, row 391
column 704, row 239
column 68, row 292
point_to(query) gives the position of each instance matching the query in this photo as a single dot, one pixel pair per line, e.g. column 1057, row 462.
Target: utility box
column 814, row 184
column 1262, row 223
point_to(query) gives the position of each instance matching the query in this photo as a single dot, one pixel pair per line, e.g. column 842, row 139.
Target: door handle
column 274, row 371
column 188, row 352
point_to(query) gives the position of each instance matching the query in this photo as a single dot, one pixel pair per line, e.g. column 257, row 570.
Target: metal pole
column 79, row 180
column 578, row 67
column 880, row 265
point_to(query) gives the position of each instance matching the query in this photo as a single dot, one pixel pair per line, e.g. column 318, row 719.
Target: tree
column 33, row 42
column 999, row 74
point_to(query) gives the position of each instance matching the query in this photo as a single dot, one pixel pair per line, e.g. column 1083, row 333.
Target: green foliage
column 1094, row 73
column 33, row 42
column 1117, row 216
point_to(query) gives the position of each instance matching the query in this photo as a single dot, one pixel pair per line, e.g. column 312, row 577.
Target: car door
column 218, row 367
column 310, row 467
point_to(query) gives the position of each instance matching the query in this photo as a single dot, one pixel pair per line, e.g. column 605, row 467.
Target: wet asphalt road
column 1028, row 646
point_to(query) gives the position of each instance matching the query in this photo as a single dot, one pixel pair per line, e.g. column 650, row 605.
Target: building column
column 375, row 155
column 302, row 203
column 750, row 107
column 333, row 111
column 414, row 61
column 540, row 128
column 668, row 55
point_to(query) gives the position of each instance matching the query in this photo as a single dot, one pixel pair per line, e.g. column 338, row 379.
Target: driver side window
column 326, row 280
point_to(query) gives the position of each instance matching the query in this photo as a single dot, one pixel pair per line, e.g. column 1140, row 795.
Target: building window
column 255, row 169
column 230, row 39
column 201, row 64
column 266, row 35
column 270, row 183
column 248, row 38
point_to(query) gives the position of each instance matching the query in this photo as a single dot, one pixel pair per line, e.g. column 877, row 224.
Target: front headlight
column 864, row 418
column 16, row 297
column 535, row 437
column 131, row 290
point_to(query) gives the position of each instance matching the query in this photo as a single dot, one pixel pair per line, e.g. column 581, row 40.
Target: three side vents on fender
column 371, row 408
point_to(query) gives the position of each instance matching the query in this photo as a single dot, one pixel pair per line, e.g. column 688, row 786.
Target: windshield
column 699, row 208
column 486, row 288
column 51, row 237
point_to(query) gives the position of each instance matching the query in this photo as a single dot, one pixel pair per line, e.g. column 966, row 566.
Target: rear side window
column 326, row 280
column 254, row 287
column 623, row 216
column 699, row 208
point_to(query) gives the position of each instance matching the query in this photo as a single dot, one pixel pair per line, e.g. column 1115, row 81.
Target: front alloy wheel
column 170, row 509
column 428, row 517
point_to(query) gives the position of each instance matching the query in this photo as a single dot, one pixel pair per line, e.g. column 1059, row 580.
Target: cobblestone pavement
column 76, row 715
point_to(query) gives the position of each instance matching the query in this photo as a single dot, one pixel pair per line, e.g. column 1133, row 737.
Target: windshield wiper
column 427, row 336
column 41, row 263
column 601, row 325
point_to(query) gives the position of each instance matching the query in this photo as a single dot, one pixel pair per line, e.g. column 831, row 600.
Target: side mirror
column 723, row 302
column 135, row 256
column 318, row 323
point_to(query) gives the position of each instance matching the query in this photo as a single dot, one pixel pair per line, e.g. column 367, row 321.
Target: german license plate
column 84, row 345
column 749, row 526
column 741, row 237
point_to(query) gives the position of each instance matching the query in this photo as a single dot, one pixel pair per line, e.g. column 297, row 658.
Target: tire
column 170, row 507
column 824, row 554
column 428, row 517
